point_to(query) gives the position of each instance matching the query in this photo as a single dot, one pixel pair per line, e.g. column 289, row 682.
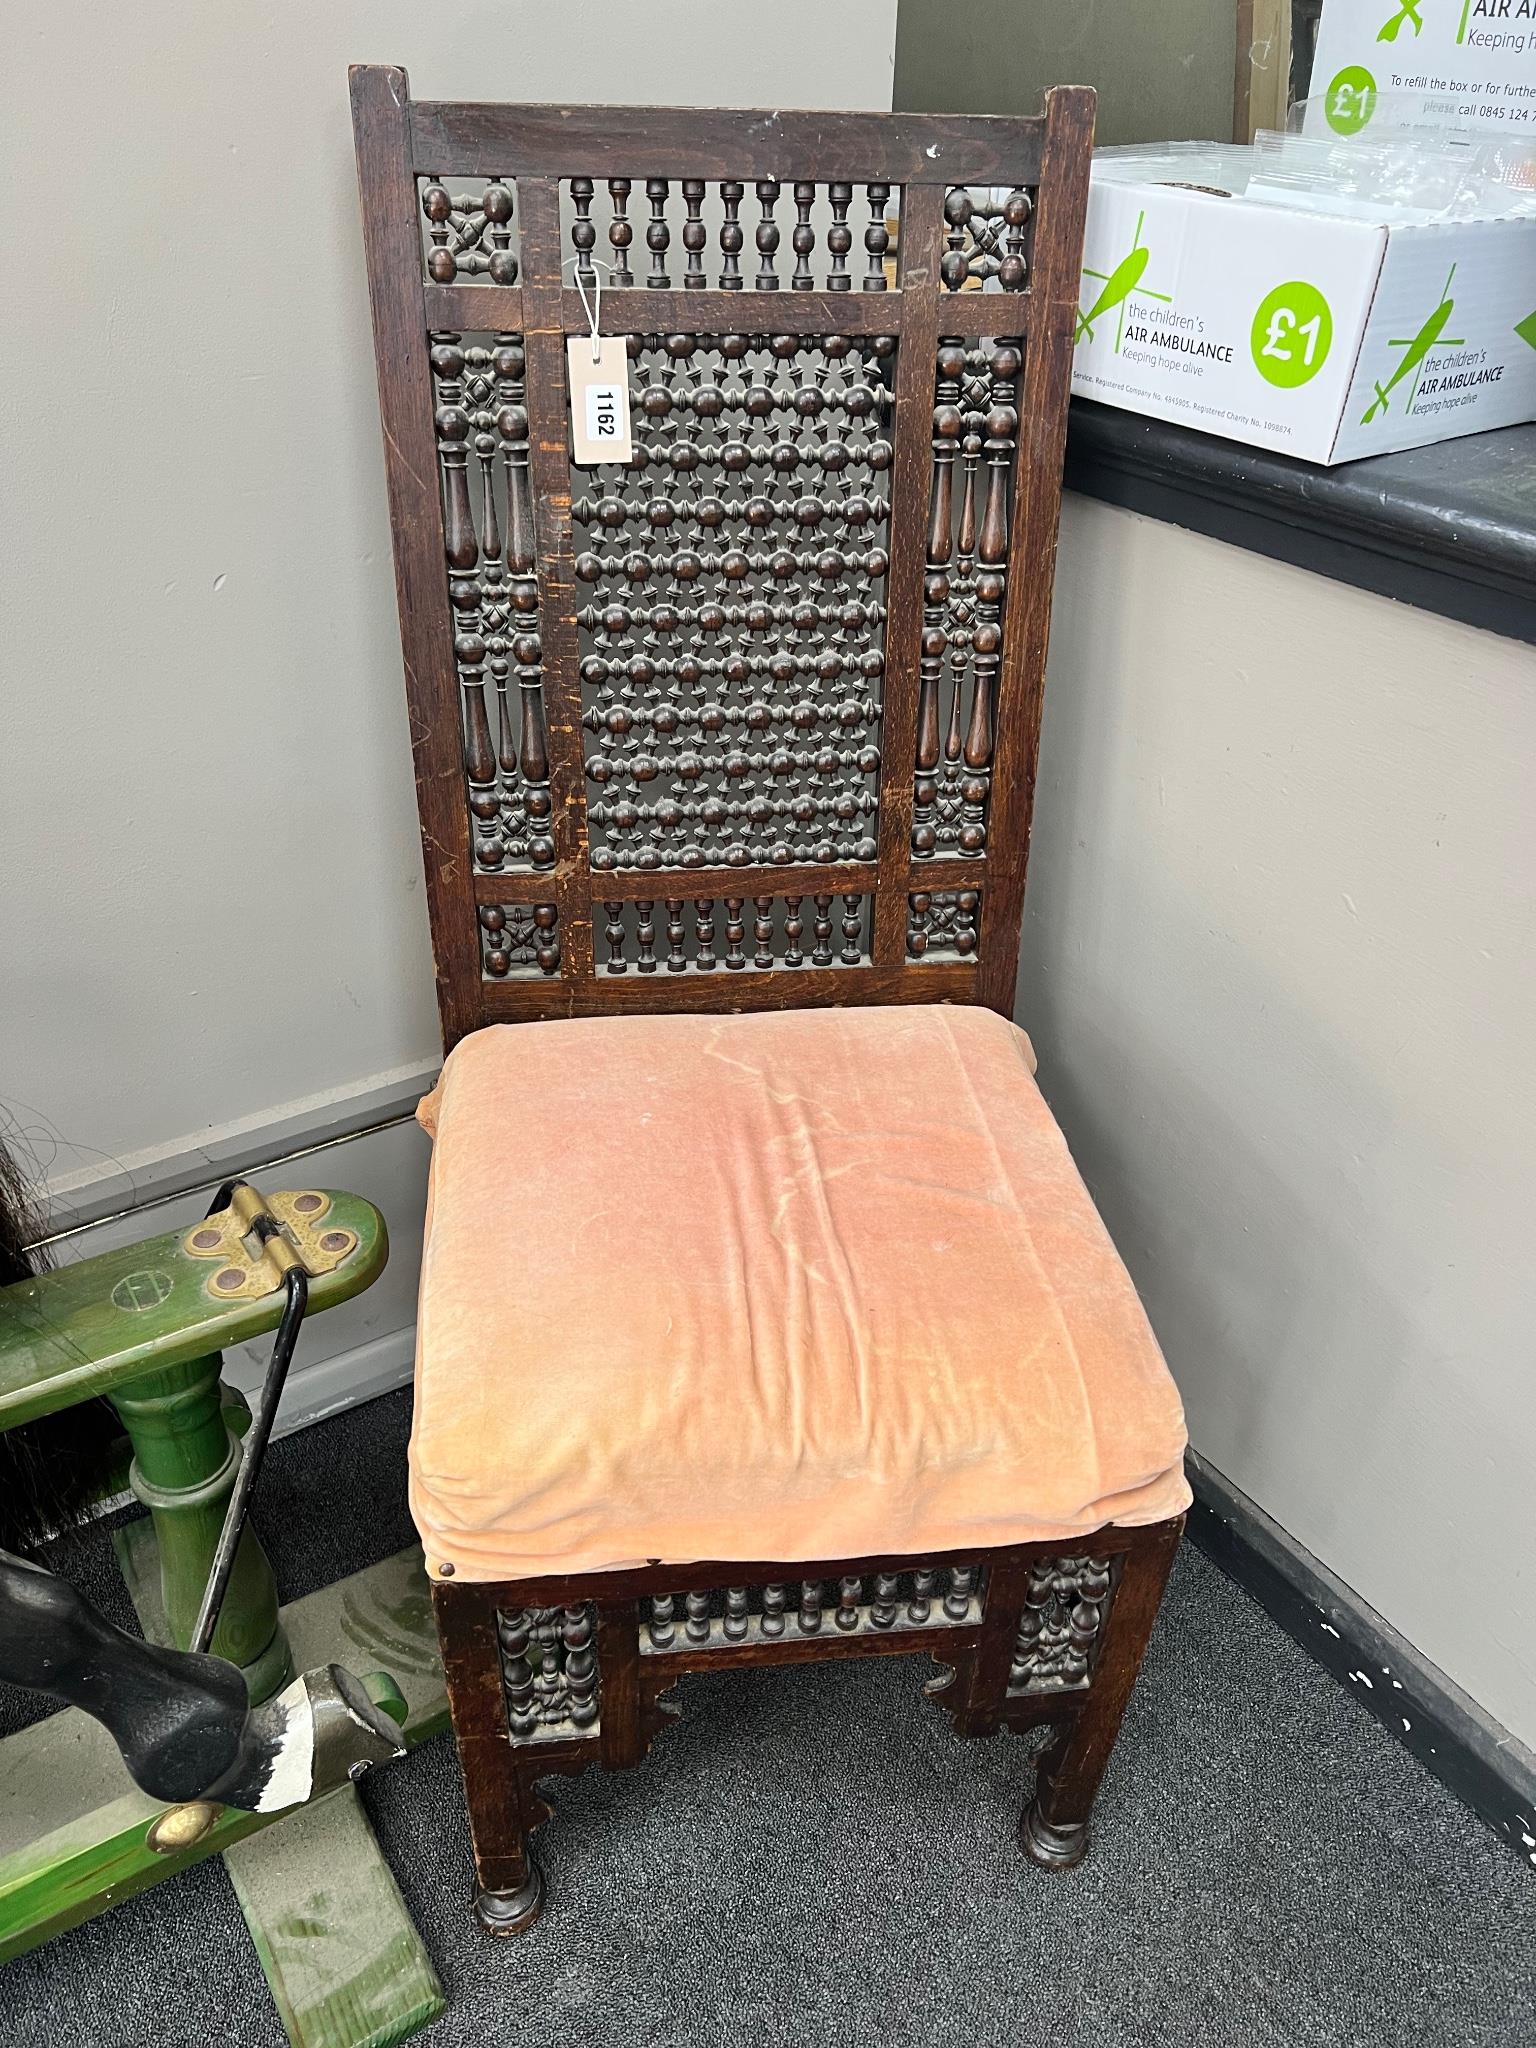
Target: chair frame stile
column 549, row 1676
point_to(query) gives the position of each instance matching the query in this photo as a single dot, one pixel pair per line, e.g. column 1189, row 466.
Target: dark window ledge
column 1451, row 528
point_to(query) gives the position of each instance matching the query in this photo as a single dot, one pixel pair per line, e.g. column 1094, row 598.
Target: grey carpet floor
column 812, row 1857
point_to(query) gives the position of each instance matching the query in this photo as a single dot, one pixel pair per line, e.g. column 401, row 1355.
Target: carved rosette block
column 549, row 1672
column 975, row 443
column 469, row 237
column 891, row 1604
column 518, row 939
column 1064, row 1614
column 482, row 441
column 987, row 243
column 943, row 924
column 732, row 641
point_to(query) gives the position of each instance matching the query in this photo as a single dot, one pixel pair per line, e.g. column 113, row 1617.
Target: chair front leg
column 1054, row 1829
column 509, row 1887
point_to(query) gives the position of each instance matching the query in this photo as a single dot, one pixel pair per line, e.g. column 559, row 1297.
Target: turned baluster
column 438, row 208
column 848, row 1594
column 794, row 931
column 580, row 1665
column 920, row 1606
column 735, row 931
column 583, row 233
column 620, row 233
column 527, row 652
column 773, row 1611
column 967, row 902
column 955, row 263
column 919, row 919
column 803, row 240
column 821, row 954
column 695, row 235
column 696, row 1627
column 957, row 1601
column 853, row 930
column 1014, row 268
column 546, row 946
column 704, row 933
column 614, row 934
column 877, row 238
column 882, row 1609
column 677, row 959
column 767, row 236
column 762, row 931
column 658, row 236
column 839, row 238
column 514, row 1632
column 734, row 1626
column 810, row 1607
column 662, row 1627
column 731, row 237
column 645, row 936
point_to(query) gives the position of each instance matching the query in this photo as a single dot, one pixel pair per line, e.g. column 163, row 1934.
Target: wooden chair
column 710, row 748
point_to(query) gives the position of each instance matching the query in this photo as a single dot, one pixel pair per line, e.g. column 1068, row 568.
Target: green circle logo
column 1292, row 334
column 1350, row 100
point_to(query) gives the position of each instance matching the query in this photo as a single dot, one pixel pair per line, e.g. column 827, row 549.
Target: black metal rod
column 296, row 1281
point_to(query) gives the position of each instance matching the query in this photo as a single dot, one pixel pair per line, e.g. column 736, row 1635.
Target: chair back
column 750, row 718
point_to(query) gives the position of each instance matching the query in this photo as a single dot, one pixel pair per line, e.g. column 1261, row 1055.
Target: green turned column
column 185, row 1459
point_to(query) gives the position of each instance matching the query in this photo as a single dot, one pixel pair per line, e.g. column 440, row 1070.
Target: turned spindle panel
column 731, row 235
column 965, row 588
column 731, row 604
column 887, row 1603
column 481, row 422
column 732, row 934
column 787, row 660
column 549, row 1671
column 1065, row 1610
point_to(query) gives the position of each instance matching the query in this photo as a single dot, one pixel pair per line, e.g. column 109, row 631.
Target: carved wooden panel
column 975, row 441
column 1065, row 1610
column 549, row 1671
column 481, row 421
column 944, row 924
column 470, row 236
column 519, row 939
column 753, row 717
column 989, row 239
column 732, row 631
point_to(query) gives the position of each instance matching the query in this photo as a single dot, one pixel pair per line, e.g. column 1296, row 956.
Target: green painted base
column 73, row 1831
column 138, row 1559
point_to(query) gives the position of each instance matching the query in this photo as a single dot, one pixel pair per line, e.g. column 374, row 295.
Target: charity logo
column 1431, row 335
column 1291, row 335
column 1117, row 288
column 1350, row 100
column 1407, row 16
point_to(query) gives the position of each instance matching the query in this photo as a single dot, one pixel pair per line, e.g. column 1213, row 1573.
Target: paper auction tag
column 599, row 399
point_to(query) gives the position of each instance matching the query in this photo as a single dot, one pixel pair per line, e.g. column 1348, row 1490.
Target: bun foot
column 1053, row 1848
column 511, row 1912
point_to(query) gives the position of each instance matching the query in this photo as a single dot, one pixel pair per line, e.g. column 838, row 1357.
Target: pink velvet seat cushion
column 813, row 1285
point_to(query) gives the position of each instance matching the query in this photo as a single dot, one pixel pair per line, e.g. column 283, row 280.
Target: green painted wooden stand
column 145, row 1326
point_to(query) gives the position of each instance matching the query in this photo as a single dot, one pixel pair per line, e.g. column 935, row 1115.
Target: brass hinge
column 256, row 1241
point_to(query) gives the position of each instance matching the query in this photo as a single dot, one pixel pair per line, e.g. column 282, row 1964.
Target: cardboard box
column 1463, row 64
column 1323, row 337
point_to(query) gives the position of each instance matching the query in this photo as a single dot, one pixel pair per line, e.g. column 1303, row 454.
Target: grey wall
column 1163, row 68
column 1280, row 968
column 211, row 894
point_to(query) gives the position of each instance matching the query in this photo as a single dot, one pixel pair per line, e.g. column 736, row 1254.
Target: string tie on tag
column 595, row 264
